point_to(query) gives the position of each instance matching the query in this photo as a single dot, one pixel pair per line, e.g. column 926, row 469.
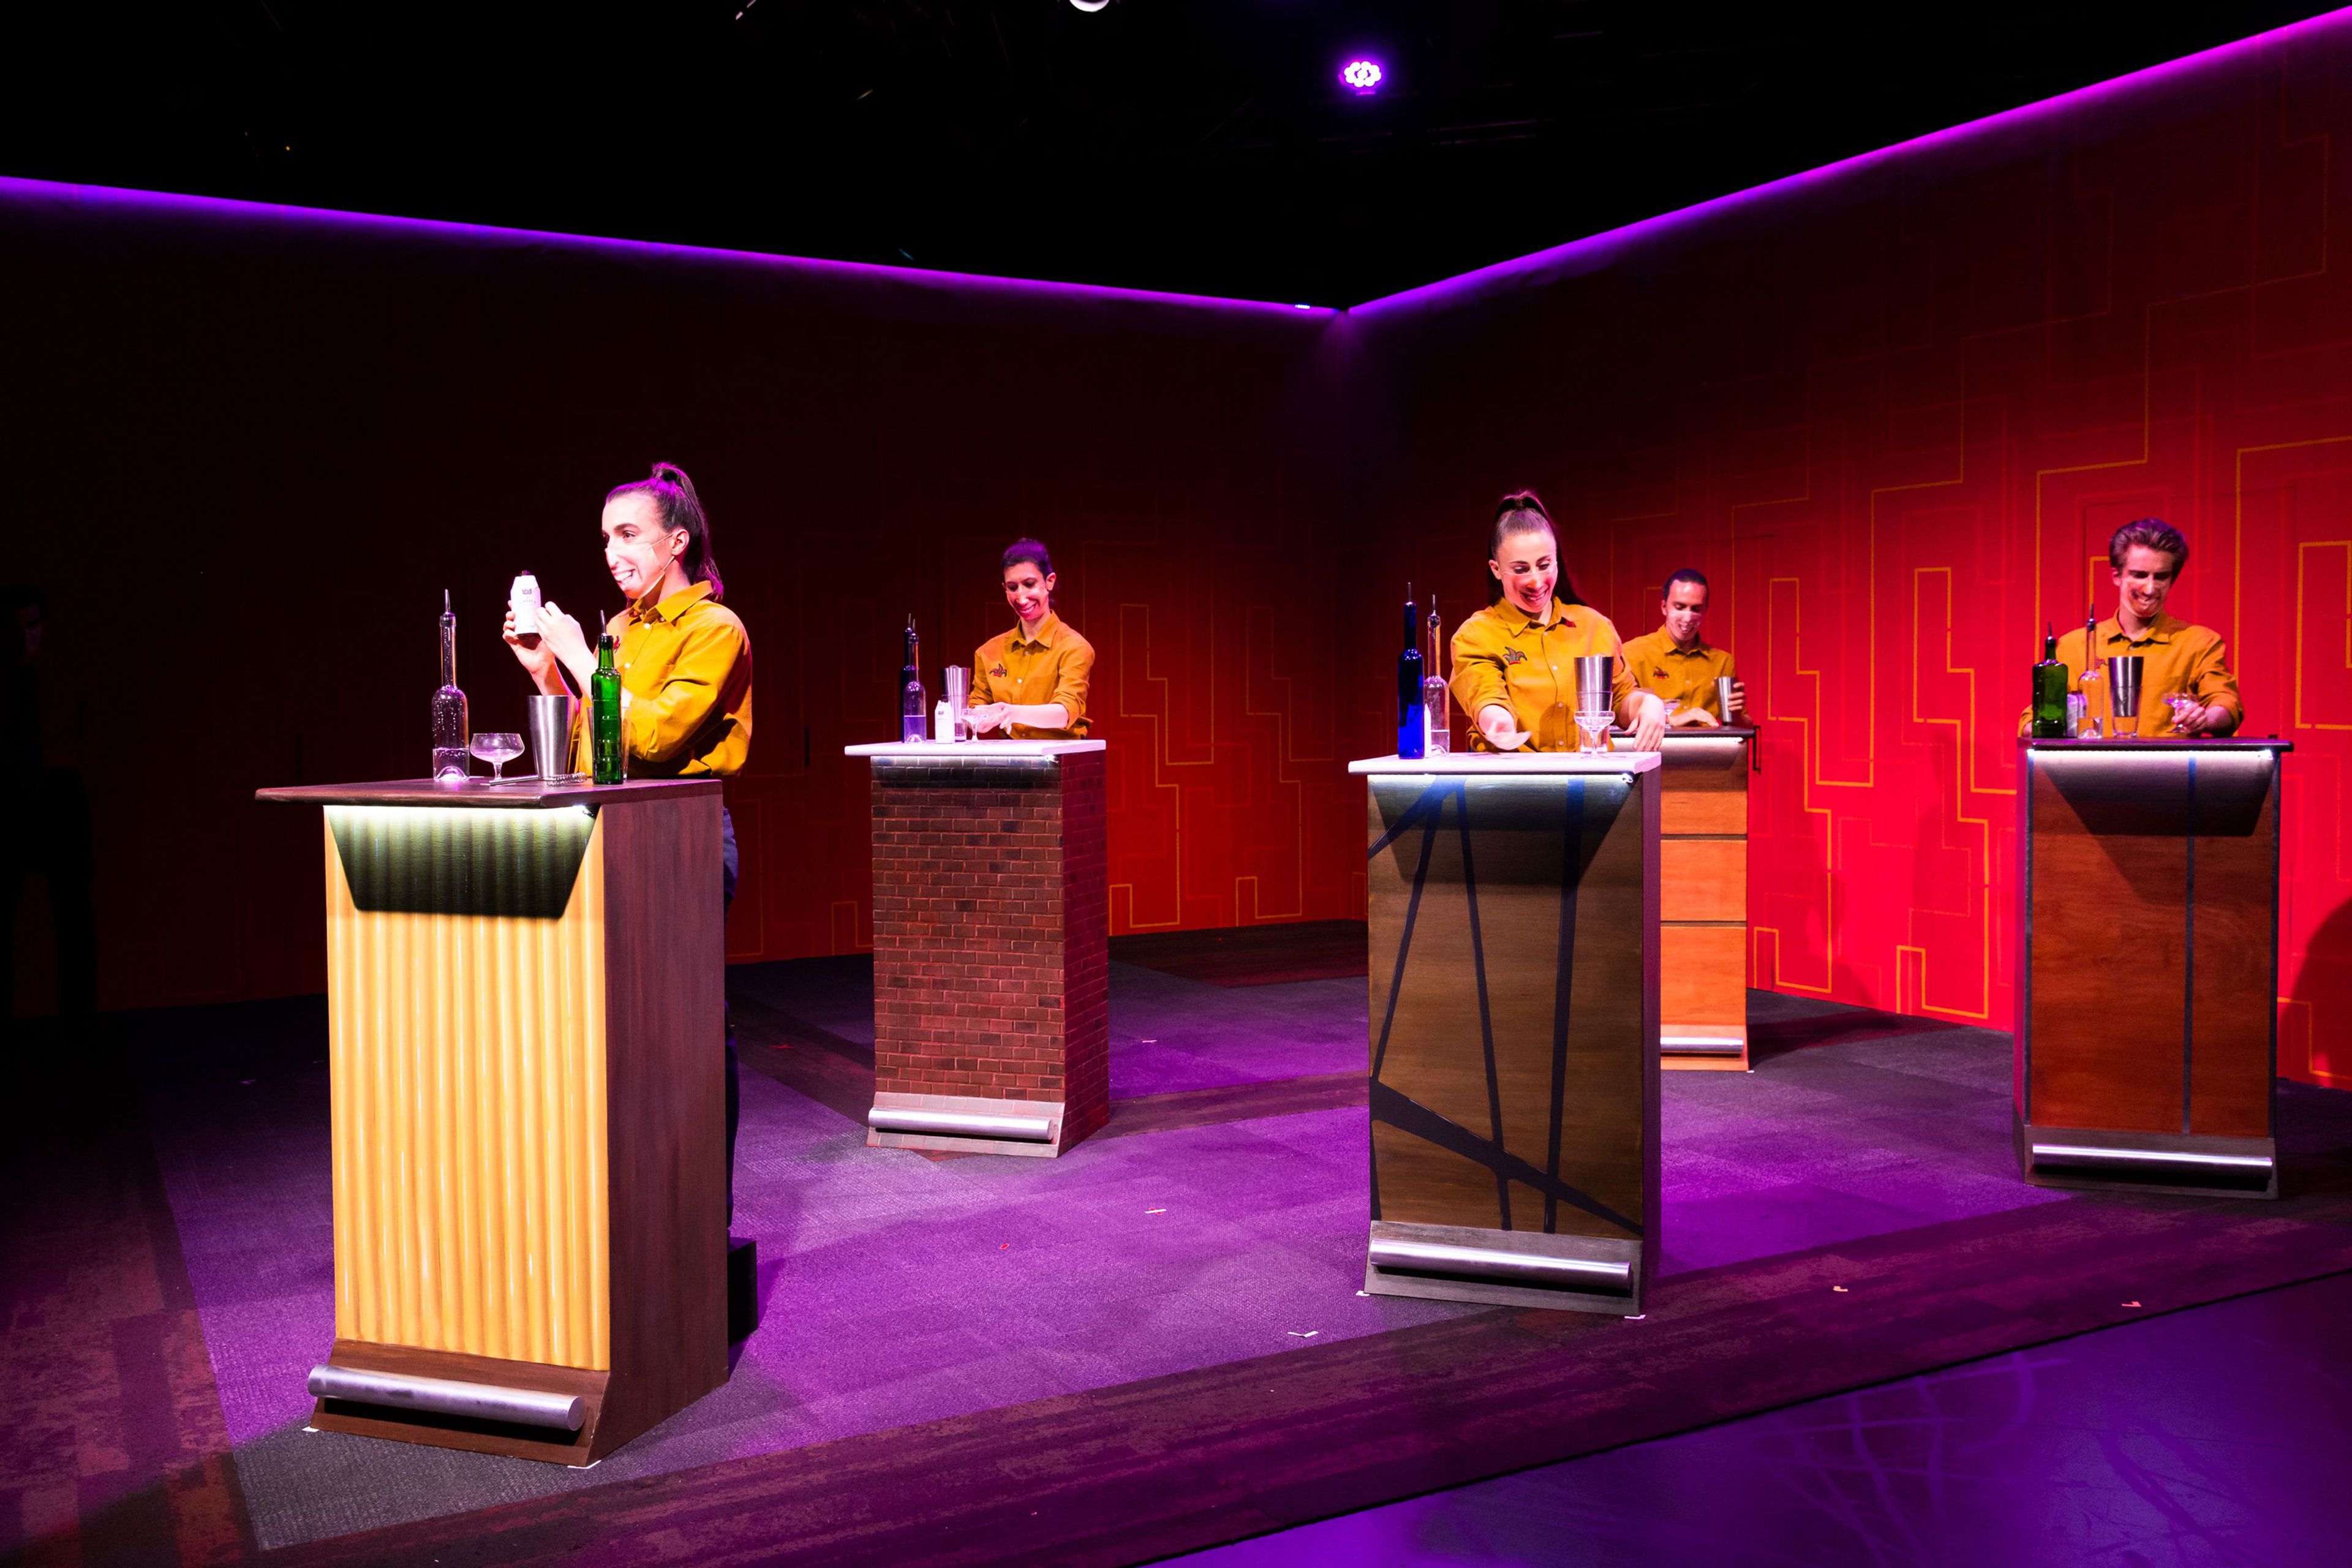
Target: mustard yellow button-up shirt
column 1055, row 665
column 685, row 664
column 2174, row 657
column 1502, row 655
column 1684, row 675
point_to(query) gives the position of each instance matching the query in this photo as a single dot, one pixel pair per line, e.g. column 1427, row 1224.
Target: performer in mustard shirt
column 1680, row 666
column 685, row 664
column 2143, row 561
column 1515, row 662
column 1031, row 682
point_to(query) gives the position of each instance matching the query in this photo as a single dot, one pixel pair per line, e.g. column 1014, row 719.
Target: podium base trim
column 966, row 1124
column 1505, row 1267
column 2201, row 1165
column 442, row 1430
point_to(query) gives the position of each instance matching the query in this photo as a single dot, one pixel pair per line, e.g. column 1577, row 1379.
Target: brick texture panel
column 991, row 933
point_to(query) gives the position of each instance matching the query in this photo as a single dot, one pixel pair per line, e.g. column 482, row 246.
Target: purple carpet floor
column 899, row 1288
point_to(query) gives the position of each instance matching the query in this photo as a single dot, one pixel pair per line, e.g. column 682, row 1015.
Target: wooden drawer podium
column 527, row 1054
column 1703, row 899
column 1512, row 906
column 2147, row 1039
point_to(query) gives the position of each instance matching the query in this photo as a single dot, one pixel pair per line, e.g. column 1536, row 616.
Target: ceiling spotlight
column 1363, row 75
column 1090, row 4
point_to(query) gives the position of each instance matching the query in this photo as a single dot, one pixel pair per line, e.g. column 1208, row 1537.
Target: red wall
column 1894, row 409
column 247, row 448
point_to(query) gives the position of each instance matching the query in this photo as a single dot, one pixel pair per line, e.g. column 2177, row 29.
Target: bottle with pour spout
column 1436, row 697
column 605, row 755
column 1413, row 725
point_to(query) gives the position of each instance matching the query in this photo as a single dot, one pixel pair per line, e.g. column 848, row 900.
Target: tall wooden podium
column 1703, row 898
column 2147, row 1039
column 527, row 1056
column 1512, row 903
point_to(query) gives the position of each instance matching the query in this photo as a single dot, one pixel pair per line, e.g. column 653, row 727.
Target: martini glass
column 497, row 748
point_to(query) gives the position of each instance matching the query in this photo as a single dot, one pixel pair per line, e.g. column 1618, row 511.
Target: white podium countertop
column 1495, row 764
column 971, row 751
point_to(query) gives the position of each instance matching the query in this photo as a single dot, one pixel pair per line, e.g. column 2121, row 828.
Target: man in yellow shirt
column 1031, row 682
column 2143, row 561
column 1679, row 664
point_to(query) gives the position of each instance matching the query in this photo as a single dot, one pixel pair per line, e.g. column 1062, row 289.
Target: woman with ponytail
column 684, row 660
column 1515, row 662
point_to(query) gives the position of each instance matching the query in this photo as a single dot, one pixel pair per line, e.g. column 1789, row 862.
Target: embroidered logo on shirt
column 998, row 670
column 1512, row 655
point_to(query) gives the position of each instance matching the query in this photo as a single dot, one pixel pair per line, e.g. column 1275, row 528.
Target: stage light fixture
column 1090, row 5
column 1364, row 76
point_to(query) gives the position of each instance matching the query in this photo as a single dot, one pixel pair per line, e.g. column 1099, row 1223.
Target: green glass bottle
column 604, row 714
column 2050, row 684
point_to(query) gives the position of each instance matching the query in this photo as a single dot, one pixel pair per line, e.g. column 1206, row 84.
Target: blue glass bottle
column 1413, row 724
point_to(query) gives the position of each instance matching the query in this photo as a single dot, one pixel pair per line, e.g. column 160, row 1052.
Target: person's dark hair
column 2154, row 532
column 1522, row 512
column 1690, row 575
column 1028, row 550
column 673, row 496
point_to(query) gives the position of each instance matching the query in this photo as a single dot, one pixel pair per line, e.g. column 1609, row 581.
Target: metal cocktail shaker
column 1596, row 680
column 1723, row 701
column 2122, row 693
column 551, row 735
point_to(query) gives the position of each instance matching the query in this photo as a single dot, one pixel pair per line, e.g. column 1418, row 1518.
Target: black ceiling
column 1199, row 145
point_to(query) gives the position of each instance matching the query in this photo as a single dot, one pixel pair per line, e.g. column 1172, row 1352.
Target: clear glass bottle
column 914, row 706
column 453, row 735
column 1436, row 697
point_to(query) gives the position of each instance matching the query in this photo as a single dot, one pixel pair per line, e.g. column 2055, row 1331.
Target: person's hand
column 2204, row 718
column 1502, row 731
column 530, row 650
column 1693, row 719
column 1738, row 714
column 561, row 635
column 988, row 716
column 1649, row 722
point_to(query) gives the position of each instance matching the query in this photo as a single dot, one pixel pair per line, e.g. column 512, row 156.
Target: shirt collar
column 1049, row 627
column 1667, row 645
column 2161, row 629
column 1517, row 620
column 669, row 609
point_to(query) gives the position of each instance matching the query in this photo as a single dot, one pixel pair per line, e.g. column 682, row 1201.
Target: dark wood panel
column 666, row 1035
column 2234, row 957
column 1703, row 879
column 1519, row 856
column 2110, row 896
column 1704, row 788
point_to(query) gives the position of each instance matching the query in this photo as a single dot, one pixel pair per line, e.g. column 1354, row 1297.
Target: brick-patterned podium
column 991, row 945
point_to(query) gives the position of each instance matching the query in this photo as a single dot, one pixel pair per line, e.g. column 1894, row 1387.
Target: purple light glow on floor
column 900, row 1290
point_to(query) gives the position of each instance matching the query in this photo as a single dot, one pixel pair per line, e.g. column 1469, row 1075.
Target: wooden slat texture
column 1704, row 787
column 470, row 1189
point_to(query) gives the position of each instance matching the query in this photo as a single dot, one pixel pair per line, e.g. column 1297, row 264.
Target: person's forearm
column 1038, row 715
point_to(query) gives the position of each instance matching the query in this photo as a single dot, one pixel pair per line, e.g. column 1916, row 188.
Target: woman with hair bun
column 1030, row 683
column 1515, row 662
column 685, row 663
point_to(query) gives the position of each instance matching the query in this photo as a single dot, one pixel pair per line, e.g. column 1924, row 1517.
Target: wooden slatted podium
column 2146, row 1040
column 1512, row 905
column 527, row 1059
column 1703, row 899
